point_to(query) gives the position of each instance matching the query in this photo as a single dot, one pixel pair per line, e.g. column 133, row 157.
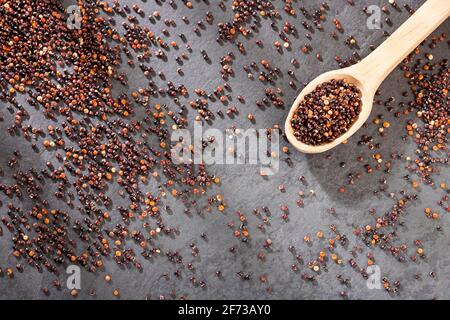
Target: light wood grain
column 371, row 71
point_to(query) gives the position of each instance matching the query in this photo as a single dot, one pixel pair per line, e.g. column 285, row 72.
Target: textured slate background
column 244, row 189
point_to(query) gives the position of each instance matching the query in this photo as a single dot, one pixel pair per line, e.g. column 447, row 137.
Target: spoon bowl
column 369, row 73
column 350, row 76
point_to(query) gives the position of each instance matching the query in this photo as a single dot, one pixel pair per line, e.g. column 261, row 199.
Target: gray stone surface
column 244, row 189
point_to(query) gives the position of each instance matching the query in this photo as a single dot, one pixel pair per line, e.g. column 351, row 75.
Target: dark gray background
column 244, row 189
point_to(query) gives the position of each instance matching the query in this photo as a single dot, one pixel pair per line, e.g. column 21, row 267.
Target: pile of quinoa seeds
column 87, row 178
column 327, row 112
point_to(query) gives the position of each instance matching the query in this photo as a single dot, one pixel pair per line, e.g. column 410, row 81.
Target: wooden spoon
column 368, row 74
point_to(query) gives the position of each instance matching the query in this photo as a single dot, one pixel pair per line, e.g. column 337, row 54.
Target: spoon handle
column 380, row 63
